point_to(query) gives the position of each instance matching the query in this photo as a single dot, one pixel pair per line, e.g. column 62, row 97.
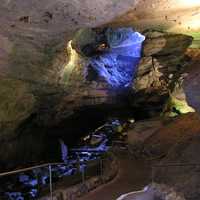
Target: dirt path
column 133, row 176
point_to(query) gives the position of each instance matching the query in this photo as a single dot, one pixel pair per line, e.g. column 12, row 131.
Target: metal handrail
column 29, row 168
column 35, row 167
column 49, row 165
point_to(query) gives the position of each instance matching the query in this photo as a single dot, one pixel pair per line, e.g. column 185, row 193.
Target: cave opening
column 107, row 58
column 99, row 91
column 113, row 55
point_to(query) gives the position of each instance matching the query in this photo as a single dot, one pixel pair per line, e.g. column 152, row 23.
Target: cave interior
column 99, row 93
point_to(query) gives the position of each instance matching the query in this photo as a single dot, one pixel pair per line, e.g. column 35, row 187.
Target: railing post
column 101, row 168
column 38, row 182
column 83, row 175
column 50, row 183
column 152, row 174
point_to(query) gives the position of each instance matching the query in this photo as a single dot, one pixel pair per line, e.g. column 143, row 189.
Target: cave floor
column 133, row 175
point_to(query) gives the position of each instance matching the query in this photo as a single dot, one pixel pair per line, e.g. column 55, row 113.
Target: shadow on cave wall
column 36, row 144
column 30, row 146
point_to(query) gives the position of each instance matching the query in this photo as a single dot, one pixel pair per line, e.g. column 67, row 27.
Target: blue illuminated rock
column 118, row 64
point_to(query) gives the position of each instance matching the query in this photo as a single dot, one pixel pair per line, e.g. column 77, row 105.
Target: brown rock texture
column 162, row 66
column 192, row 82
column 33, row 57
column 172, row 145
column 34, row 36
column 162, row 44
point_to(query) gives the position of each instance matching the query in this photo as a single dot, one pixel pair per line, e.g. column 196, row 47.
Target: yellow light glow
column 73, row 55
column 193, row 24
column 73, row 61
column 190, row 3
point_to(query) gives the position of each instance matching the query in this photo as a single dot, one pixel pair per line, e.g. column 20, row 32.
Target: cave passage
column 117, row 65
column 114, row 56
column 32, row 184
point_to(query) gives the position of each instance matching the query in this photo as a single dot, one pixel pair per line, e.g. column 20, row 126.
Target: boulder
column 161, row 43
column 192, row 82
column 177, row 103
column 161, row 67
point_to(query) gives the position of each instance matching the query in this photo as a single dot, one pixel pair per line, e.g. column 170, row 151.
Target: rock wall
column 76, row 191
column 33, row 57
column 183, row 176
column 34, row 36
column 161, row 68
column 47, row 105
column 191, row 83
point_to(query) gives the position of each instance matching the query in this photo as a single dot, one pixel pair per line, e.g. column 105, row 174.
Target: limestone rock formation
column 61, row 89
column 191, row 83
column 162, row 65
column 34, row 35
column 158, row 43
column 17, row 104
column 177, row 102
column 35, row 82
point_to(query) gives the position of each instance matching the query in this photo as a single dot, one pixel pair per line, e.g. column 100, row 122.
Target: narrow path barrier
column 49, row 165
column 92, row 169
column 138, row 195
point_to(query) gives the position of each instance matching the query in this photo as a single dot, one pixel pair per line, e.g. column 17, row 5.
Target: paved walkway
column 133, row 176
column 140, row 196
